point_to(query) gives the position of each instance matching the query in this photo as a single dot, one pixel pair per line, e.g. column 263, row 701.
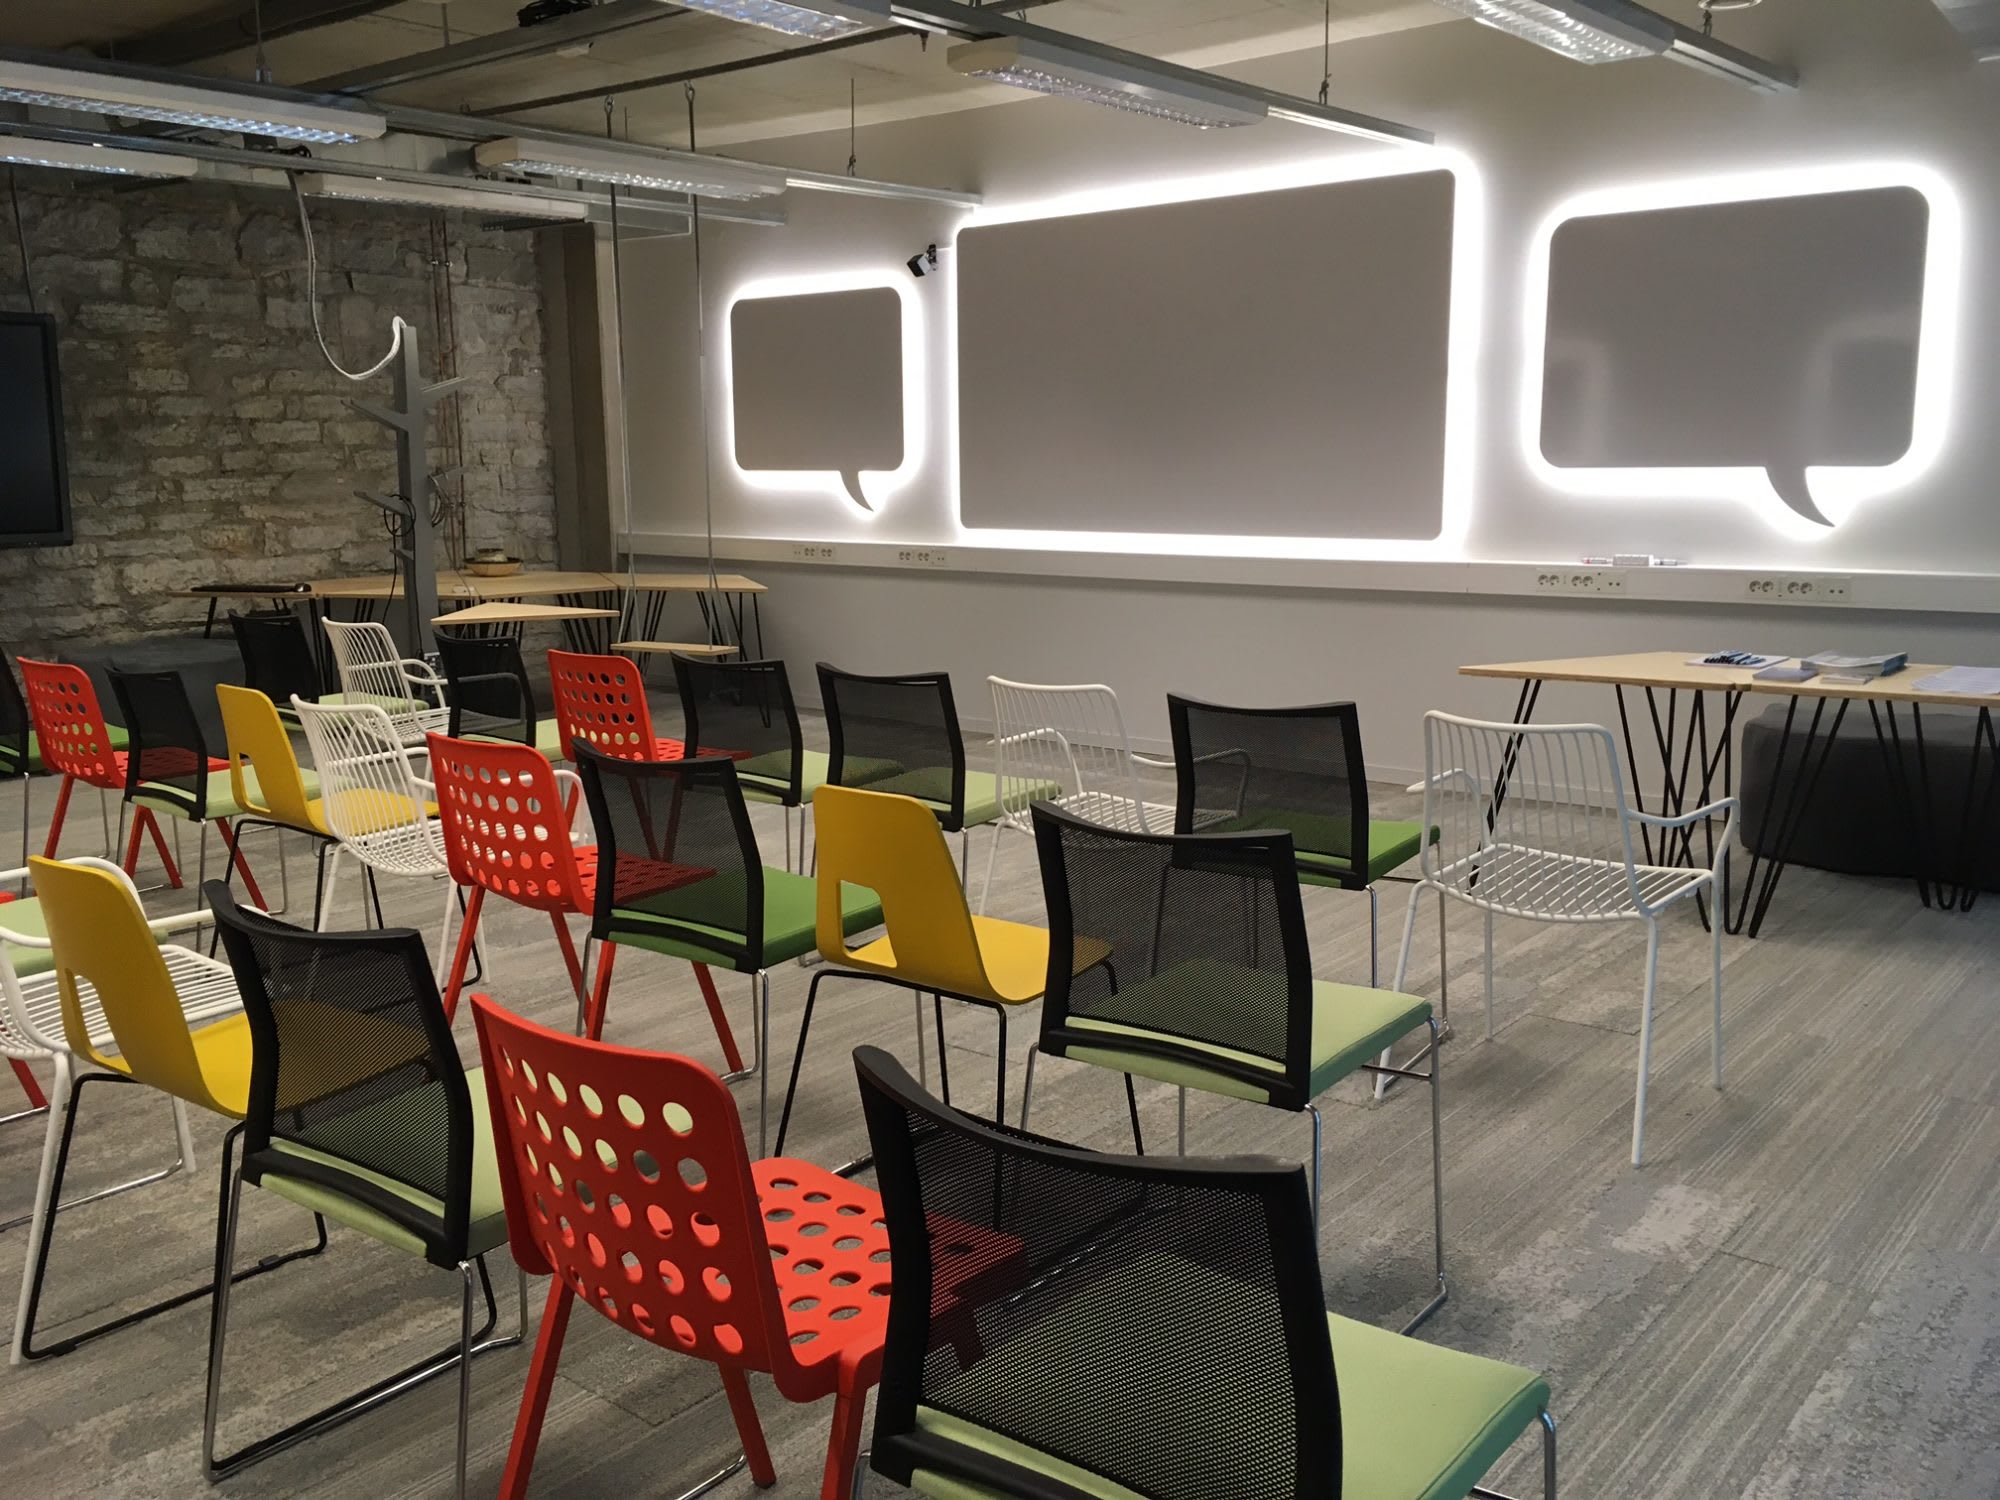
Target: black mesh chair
column 1067, row 1326
column 361, row 1111
column 678, row 873
column 1298, row 769
column 1183, row 958
column 277, row 658
column 491, row 698
column 744, row 710
column 17, row 748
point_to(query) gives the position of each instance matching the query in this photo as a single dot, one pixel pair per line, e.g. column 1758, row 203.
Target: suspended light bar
column 25, row 151
column 1720, row 60
column 1051, row 69
column 1589, row 31
column 438, row 195
column 129, row 98
column 672, row 172
column 820, row 20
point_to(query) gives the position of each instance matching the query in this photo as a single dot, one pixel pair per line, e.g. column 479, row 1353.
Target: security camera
column 923, row 262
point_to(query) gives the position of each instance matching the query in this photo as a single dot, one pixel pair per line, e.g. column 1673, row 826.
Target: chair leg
column 748, row 1428
column 464, row 1372
column 570, row 960
column 1132, row 1106
column 798, row 1057
column 27, row 817
column 1715, row 965
column 1403, row 968
column 466, row 937
column 1645, row 1041
column 444, row 931
column 1180, row 1124
column 1489, row 972
column 329, row 882
column 238, row 860
column 535, row 1396
column 720, row 1017
column 1374, row 938
column 104, row 817
column 1443, row 1292
column 600, row 993
column 183, row 1155
column 944, row 1066
column 761, row 982
column 992, row 857
column 1028, row 1082
column 1000, row 1082
column 30, row 1086
column 56, row 822
column 923, row 1061
column 1548, row 1426
column 1318, row 1134
column 843, row 1446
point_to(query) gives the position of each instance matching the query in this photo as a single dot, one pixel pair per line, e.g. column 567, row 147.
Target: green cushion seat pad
column 1352, row 1024
column 932, row 784
column 117, row 738
column 1417, row 1422
column 790, row 917
column 487, row 1221
column 767, row 777
column 25, row 917
column 221, row 797
column 548, row 738
column 1391, row 844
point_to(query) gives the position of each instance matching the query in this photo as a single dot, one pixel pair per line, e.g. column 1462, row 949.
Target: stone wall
column 208, row 439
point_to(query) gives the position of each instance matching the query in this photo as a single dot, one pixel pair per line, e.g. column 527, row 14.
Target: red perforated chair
column 601, row 700
column 74, row 740
column 626, row 1176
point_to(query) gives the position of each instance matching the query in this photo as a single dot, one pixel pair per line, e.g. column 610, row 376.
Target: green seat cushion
column 221, row 797
column 1391, row 844
column 790, row 917
column 1417, row 1422
column 932, row 784
column 1351, row 1025
column 548, row 738
column 766, row 777
column 118, row 739
column 412, row 1114
column 25, row 917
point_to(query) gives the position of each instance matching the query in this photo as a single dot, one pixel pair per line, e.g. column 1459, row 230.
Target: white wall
column 1883, row 79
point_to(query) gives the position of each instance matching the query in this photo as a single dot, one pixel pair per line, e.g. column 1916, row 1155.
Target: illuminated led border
column 1836, row 489
column 1462, row 348
column 877, row 486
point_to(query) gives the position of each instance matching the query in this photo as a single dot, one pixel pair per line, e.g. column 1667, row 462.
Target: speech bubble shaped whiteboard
column 1784, row 340
column 823, row 383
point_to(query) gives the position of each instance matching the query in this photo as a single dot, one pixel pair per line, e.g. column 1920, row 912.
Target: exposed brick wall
column 207, row 437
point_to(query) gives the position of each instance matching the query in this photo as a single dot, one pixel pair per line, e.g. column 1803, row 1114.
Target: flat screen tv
column 34, row 477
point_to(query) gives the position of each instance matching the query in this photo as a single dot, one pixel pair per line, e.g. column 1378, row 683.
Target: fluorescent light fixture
column 25, row 151
column 437, row 195
column 1731, row 64
column 1051, row 69
column 181, row 104
column 821, row 20
column 1589, row 31
column 672, row 172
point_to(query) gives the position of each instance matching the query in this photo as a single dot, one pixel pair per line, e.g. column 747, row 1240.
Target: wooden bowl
column 504, row 568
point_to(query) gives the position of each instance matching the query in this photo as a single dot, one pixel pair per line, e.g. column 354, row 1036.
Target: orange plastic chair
column 627, row 1178
column 601, row 700
column 74, row 740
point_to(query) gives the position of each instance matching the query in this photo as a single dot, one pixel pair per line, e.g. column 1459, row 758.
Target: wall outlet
column 812, row 552
column 924, row 557
column 1800, row 588
column 1575, row 580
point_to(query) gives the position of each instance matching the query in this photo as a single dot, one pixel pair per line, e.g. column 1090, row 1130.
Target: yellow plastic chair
column 932, row 942
column 266, row 779
column 172, row 1020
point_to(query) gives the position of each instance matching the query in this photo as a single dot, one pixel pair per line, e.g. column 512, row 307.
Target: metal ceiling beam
column 237, row 27
column 603, row 20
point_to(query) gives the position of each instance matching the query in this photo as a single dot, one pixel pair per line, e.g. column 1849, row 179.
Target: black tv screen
column 34, row 479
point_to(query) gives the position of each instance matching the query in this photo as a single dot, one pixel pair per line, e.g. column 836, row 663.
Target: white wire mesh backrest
column 1067, row 738
column 1531, row 818
column 371, row 798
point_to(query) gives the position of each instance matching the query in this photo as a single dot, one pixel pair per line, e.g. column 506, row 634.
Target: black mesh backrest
column 14, row 726
column 277, row 661
column 1198, row 939
column 1299, row 769
column 168, row 752
column 743, row 709
column 352, row 1059
column 488, row 686
column 1155, row 1322
column 676, row 857
column 896, row 734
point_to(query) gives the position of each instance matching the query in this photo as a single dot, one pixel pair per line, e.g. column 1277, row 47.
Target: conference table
column 1697, row 759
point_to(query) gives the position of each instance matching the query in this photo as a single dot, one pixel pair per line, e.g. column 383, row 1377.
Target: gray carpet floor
column 1798, row 1295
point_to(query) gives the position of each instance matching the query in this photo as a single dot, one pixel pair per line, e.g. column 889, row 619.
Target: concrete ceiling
column 893, row 78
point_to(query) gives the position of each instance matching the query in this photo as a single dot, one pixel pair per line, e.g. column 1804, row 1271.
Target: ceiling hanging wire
column 630, row 598
column 701, row 361
column 1326, row 54
column 853, row 152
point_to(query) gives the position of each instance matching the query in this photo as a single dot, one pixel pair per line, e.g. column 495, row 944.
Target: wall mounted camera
column 923, row 262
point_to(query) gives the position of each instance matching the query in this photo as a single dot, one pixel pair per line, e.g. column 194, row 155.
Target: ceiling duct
column 1978, row 21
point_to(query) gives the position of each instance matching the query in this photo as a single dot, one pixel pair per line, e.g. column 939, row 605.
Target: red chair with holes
column 601, row 700
column 73, row 739
column 627, row 1178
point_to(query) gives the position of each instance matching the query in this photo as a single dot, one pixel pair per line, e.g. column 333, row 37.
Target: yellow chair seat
column 367, row 812
column 222, row 801
column 1015, row 955
column 222, row 1051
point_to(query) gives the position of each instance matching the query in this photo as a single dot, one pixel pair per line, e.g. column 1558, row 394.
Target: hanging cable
column 853, row 152
column 21, row 238
column 624, row 402
column 263, row 73
column 396, row 324
column 1326, row 53
column 701, row 361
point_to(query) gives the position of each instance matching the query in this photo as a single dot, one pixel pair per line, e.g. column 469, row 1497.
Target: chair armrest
column 1713, row 809
column 1140, row 758
column 1446, row 778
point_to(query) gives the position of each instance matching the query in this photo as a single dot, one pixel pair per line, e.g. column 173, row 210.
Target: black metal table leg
column 1798, row 798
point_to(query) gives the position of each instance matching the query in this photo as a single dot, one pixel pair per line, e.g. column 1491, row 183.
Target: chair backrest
column 257, row 741
column 98, row 936
column 69, row 723
column 601, row 701
column 894, row 847
column 369, row 795
column 490, row 693
column 908, row 721
column 1299, row 769
column 626, row 1174
column 371, row 667
column 744, row 710
column 1196, row 943
column 1157, row 1323
column 167, row 754
column 676, row 856
column 353, row 1062
column 1531, row 818
column 277, row 660
column 14, row 726
column 1068, row 737
column 504, row 825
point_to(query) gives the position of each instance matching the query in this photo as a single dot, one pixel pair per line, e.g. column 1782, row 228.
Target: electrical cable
column 397, row 325
column 21, row 237
column 631, row 595
column 1326, row 54
column 701, row 362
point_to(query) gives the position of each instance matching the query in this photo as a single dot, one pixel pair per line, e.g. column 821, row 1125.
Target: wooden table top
column 1670, row 669
column 686, row 648
column 500, row 612
column 692, row 583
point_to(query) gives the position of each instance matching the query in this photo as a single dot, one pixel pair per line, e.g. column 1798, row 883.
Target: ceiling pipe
column 175, row 46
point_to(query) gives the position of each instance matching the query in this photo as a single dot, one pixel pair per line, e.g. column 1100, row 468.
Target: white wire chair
column 379, row 809
column 373, row 671
column 1533, row 822
column 1070, row 738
